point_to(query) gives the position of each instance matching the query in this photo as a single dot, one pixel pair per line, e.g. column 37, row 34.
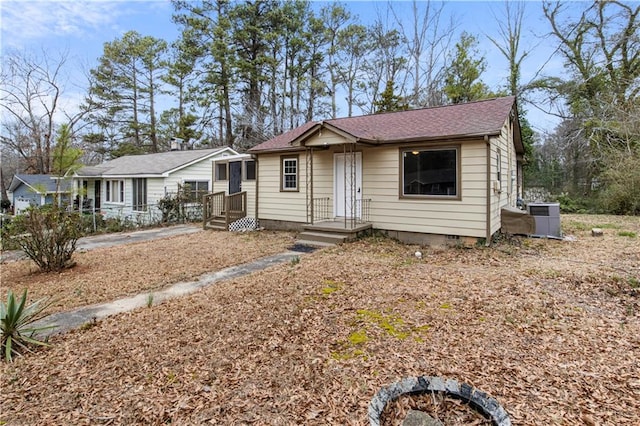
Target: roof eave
column 166, row 173
column 466, row 136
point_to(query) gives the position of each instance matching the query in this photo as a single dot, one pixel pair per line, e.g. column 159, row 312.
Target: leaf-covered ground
column 551, row 329
column 110, row 273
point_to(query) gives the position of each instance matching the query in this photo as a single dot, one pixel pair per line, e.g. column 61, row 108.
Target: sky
column 80, row 28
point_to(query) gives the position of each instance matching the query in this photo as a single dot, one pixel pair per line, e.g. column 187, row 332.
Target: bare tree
column 30, row 101
column 428, row 40
column 508, row 43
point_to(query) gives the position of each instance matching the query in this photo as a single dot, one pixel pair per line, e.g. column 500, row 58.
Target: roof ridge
column 420, row 109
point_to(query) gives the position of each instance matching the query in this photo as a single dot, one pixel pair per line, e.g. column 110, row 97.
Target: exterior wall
column 23, row 197
column 249, row 186
column 505, row 191
column 289, row 206
column 464, row 217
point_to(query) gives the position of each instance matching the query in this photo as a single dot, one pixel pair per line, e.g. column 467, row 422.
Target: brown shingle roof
column 451, row 121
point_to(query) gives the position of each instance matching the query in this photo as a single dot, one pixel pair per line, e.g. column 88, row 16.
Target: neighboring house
column 130, row 186
column 233, row 175
column 428, row 176
column 35, row 190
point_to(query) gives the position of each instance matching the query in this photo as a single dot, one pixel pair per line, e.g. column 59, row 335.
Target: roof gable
column 158, row 164
column 486, row 117
column 39, row 183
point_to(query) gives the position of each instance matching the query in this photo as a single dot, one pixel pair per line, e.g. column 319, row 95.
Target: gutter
column 488, row 211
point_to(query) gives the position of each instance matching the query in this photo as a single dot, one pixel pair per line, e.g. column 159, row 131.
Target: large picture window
column 195, row 189
column 430, row 172
column 289, row 174
column 115, row 191
column 139, row 194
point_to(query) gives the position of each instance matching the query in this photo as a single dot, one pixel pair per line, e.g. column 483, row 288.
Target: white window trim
column 108, row 188
column 284, row 174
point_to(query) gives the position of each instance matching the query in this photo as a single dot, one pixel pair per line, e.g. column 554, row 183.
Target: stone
column 596, row 232
column 420, row 418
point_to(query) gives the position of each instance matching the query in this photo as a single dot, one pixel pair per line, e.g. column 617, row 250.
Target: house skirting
column 417, row 238
column 431, row 240
column 281, row 225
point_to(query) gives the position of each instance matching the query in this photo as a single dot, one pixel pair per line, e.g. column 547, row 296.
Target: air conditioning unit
column 547, row 217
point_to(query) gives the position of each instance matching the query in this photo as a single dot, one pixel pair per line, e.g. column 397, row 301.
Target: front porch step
column 321, row 238
column 216, row 224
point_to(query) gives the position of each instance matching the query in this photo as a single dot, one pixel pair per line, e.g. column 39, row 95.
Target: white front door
column 347, row 191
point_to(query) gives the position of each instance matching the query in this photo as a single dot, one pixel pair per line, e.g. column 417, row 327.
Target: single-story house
column 429, row 176
column 129, row 187
column 36, row 190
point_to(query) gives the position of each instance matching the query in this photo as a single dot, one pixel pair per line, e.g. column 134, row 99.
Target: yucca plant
column 16, row 324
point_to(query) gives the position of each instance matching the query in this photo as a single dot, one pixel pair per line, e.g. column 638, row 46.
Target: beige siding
column 507, row 193
column 281, row 205
column 326, row 138
column 465, row 217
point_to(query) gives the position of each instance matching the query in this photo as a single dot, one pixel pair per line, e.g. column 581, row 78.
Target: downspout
column 488, row 212
column 255, row 158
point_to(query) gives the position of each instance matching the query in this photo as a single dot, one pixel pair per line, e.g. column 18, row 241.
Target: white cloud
column 24, row 21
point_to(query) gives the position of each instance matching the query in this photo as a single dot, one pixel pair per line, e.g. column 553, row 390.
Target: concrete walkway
column 66, row 321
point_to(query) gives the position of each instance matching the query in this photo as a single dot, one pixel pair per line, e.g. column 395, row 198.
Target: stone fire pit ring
column 476, row 399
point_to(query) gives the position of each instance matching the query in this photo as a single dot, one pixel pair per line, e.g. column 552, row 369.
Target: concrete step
column 322, row 237
column 314, row 243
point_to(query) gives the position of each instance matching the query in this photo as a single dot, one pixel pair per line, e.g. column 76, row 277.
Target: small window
column 195, row 189
column 221, row 171
column 289, row 174
column 115, row 191
column 431, row 172
column 250, row 170
column 139, row 194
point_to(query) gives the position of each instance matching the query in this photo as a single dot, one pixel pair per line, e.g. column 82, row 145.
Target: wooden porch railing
column 219, row 210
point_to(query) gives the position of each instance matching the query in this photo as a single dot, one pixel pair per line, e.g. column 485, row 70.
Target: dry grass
column 550, row 329
column 110, row 273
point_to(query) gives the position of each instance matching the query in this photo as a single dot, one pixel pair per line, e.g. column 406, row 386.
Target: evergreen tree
column 462, row 80
column 123, row 91
column 389, row 101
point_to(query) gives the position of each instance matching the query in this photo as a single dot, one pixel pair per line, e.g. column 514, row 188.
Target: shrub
column 16, row 324
column 622, row 179
column 48, row 236
column 4, row 205
column 572, row 205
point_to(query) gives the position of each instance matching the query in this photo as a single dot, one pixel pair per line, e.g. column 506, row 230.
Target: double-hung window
column 195, row 189
column 289, row 178
column 430, row 172
column 114, row 191
column 139, row 194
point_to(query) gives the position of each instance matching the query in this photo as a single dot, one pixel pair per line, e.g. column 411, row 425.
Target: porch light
column 415, row 152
